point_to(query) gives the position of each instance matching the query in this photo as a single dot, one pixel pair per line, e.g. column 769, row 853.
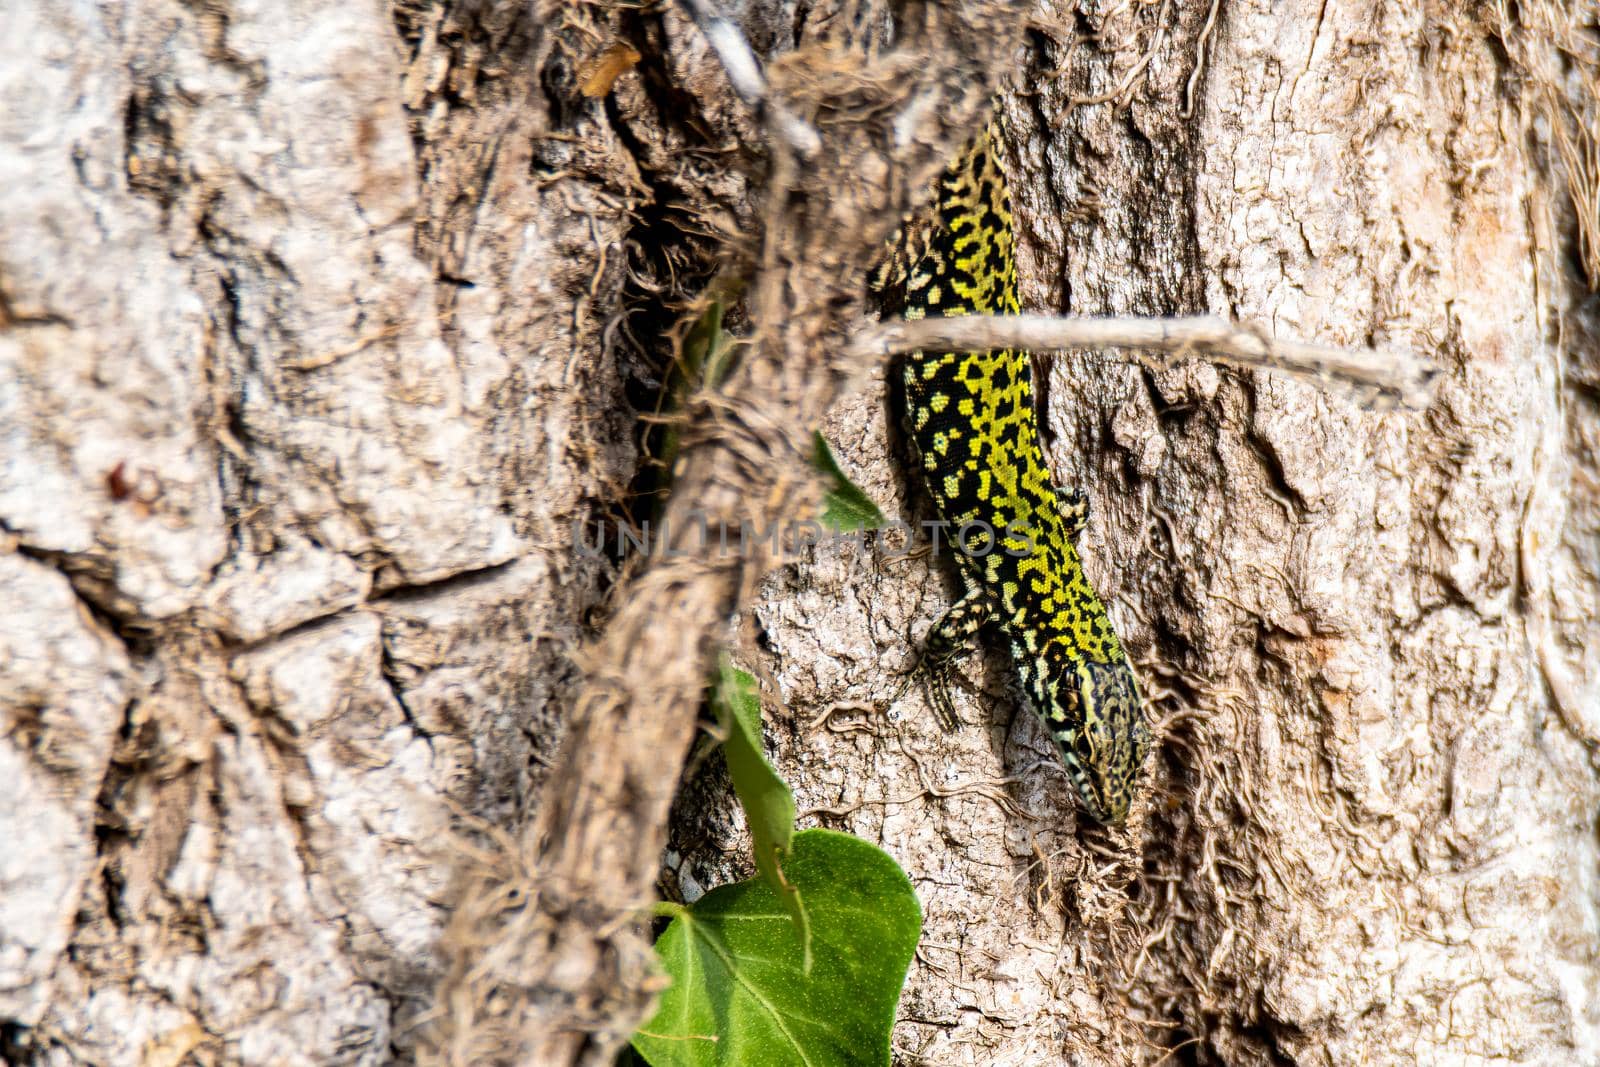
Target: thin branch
column 1380, row 378
column 744, row 74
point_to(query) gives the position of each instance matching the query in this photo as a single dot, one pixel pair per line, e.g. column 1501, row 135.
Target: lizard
column 970, row 417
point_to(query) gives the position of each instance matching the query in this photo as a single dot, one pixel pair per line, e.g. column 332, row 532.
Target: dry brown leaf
column 610, row 65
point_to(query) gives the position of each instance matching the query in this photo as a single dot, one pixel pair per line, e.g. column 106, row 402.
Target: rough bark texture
column 320, row 325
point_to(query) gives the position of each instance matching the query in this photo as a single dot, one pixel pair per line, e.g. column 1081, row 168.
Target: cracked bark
column 321, row 325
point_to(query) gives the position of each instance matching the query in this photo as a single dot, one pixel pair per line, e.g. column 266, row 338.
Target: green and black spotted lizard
column 971, row 418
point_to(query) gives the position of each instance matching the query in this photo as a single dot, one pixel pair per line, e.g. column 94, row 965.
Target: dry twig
column 1375, row 377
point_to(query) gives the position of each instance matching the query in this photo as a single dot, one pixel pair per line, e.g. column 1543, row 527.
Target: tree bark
column 322, row 327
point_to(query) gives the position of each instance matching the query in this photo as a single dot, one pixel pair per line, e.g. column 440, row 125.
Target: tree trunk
column 323, row 327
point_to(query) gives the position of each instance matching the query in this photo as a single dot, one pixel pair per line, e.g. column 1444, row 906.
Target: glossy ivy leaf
column 739, row 993
column 766, row 798
column 844, row 506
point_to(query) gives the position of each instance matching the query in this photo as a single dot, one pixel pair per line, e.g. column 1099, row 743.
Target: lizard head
column 1094, row 713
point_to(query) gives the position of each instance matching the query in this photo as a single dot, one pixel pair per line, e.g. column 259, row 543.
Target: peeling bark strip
column 561, row 978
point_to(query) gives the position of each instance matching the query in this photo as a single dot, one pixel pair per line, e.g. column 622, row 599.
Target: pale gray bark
column 315, row 326
column 285, row 492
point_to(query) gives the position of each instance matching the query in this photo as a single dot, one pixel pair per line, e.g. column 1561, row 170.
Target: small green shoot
column 766, row 798
column 705, row 356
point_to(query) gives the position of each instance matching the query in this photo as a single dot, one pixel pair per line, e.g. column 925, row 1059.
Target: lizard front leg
column 946, row 640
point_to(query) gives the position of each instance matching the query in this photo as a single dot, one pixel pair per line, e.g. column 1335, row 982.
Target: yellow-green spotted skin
column 971, row 417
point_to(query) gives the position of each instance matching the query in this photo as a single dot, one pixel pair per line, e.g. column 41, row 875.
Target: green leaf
column 766, row 798
column 739, row 993
column 844, row 505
